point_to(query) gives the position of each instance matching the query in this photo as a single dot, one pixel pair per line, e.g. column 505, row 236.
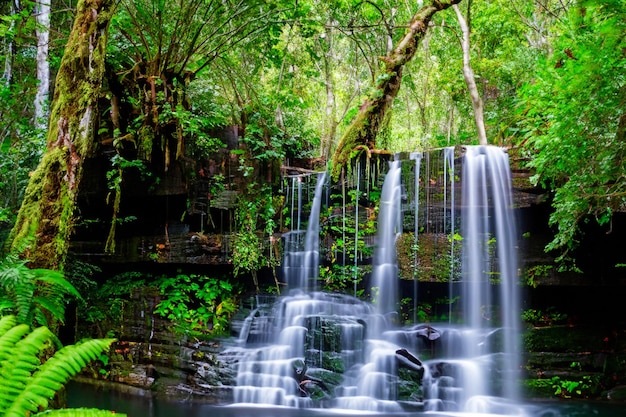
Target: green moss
column 145, row 140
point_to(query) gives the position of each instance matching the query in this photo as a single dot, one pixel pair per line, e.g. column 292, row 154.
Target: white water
column 301, row 260
column 489, row 256
column 385, row 262
column 310, row 336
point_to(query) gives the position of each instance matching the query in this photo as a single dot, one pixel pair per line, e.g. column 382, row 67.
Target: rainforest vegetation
column 139, row 89
column 300, row 80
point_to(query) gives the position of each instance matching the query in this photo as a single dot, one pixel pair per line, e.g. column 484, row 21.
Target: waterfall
column 312, row 349
column 489, row 254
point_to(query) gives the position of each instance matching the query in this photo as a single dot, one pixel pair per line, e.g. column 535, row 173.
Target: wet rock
column 138, row 377
column 617, row 394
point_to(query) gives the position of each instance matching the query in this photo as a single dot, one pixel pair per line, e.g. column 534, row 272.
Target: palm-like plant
column 34, row 296
column 30, row 377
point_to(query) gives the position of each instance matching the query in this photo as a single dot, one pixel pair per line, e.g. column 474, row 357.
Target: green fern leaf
column 55, row 306
column 7, row 323
column 65, row 363
column 26, row 384
column 27, row 402
column 79, row 412
column 23, row 296
column 57, row 280
column 8, row 338
column 16, row 371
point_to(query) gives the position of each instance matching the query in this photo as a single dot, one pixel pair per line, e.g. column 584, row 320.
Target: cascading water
column 489, row 258
column 385, row 262
column 301, row 260
column 479, row 362
column 335, row 351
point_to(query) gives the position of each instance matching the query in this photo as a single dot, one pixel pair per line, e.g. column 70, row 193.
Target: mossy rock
column 537, row 388
column 564, row 339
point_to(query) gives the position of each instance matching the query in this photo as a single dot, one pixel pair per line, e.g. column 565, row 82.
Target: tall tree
column 7, row 73
column 42, row 29
column 373, row 111
column 46, row 217
column 468, row 74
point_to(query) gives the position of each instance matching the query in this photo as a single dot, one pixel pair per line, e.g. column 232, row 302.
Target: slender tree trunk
column 373, row 112
column 7, row 73
column 46, row 218
column 330, row 120
column 470, row 81
column 42, row 17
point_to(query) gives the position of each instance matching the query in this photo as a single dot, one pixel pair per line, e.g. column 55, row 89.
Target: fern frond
column 23, row 296
column 57, row 280
column 57, row 370
column 54, row 305
column 79, row 412
column 8, row 338
column 16, row 371
column 6, row 323
column 13, row 271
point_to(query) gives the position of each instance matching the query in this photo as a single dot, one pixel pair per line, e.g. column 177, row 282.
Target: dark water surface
column 86, row 395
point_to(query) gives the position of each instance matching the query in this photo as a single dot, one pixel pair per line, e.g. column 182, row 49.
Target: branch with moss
column 373, row 112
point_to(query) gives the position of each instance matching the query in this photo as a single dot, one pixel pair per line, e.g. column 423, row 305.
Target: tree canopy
column 573, row 118
column 297, row 77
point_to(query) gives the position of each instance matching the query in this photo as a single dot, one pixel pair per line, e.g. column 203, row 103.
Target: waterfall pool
column 87, row 395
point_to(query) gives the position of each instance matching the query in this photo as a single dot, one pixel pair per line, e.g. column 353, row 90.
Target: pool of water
column 86, row 395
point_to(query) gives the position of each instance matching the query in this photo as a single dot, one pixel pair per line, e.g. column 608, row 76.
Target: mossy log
column 47, row 215
column 373, row 112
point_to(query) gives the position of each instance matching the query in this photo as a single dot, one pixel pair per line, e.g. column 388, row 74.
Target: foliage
column 586, row 386
column 536, row 272
column 548, row 317
column 197, row 304
column 256, row 210
column 35, row 296
column 31, row 372
column 343, row 274
column 103, row 306
column 574, row 121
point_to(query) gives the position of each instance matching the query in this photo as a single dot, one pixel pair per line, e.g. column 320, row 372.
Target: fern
column 33, row 295
column 28, row 380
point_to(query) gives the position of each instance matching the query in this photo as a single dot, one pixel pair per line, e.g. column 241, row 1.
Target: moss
column 145, row 140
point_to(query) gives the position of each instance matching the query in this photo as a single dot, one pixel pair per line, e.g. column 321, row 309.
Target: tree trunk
column 470, row 81
column 42, row 17
column 368, row 122
column 46, row 217
column 329, row 128
column 10, row 48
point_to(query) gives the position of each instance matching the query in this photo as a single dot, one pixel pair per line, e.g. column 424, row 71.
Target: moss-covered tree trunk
column 47, row 215
column 366, row 125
